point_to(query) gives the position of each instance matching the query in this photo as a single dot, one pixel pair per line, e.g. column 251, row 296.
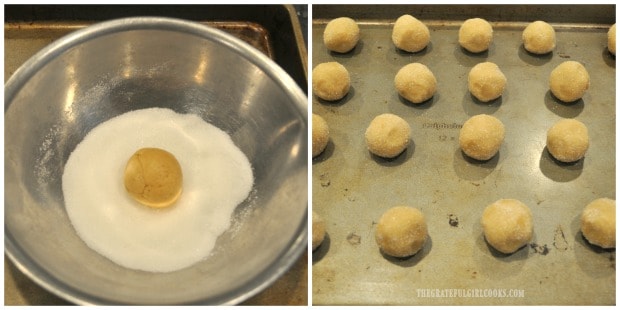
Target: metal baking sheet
column 352, row 188
column 274, row 30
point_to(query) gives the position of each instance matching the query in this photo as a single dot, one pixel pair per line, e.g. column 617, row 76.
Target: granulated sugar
column 217, row 177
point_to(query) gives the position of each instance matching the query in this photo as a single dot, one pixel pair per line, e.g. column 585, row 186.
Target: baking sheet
column 352, row 188
column 28, row 29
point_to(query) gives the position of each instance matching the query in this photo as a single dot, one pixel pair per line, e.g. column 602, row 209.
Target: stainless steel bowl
column 113, row 67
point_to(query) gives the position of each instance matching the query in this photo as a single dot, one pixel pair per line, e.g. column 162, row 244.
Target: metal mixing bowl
column 113, row 67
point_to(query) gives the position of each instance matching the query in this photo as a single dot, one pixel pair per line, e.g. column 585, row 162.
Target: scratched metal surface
column 352, row 188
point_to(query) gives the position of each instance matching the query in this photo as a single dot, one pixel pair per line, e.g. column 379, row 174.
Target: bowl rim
column 298, row 98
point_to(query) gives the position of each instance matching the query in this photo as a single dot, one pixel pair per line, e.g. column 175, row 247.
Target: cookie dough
column 320, row 134
column 567, row 140
column 598, row 223
column 507, row 225
column 318, row 230
column 569, row 81
column 330, row 81
column 415, row 82
column 387, row 135
column 475, row 35
column 486, row 81
column 481, row 136
column 153, row 177
column 410, row 34
column 401, row 231
column 539, row 37
column 611, row 39
column 341, row 35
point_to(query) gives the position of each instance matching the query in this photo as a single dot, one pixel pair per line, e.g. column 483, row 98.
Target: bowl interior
column 102, row 74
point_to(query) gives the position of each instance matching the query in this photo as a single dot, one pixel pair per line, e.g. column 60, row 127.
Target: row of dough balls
column 480, row 137
column 507, row 225
column 415, row 82
column 475, row 35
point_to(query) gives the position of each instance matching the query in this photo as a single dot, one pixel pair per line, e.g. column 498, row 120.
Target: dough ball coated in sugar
column 320, row 134
column 486, row 81
column 401, row 231
column 539, row 37
column 598, row 223
column 387, row 135
column 507, row 225
column 330, row 81
column 153, row 177
column 318, row 230
column 415, row 82
column 410, row 34
column 475, row 35
column 341, row 35
column 611, row 39
column 569, row 81
column 481, row 136
column 567, row 140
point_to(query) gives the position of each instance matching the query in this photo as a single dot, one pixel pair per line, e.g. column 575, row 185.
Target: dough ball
column 318, row 230
column 410, row 34
column 415, row 82
column 486, row 81
column 481, row 136
column 507, row 225
column 341, row 35
column 611, row 40
column 539, row 38
column 401, row 231
column 569, row 81
column 153, row 177
column 475, row 35
column 598, row 223
column 320, row 135
column 387, row 135
column 567, row 140
column 330, row 81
